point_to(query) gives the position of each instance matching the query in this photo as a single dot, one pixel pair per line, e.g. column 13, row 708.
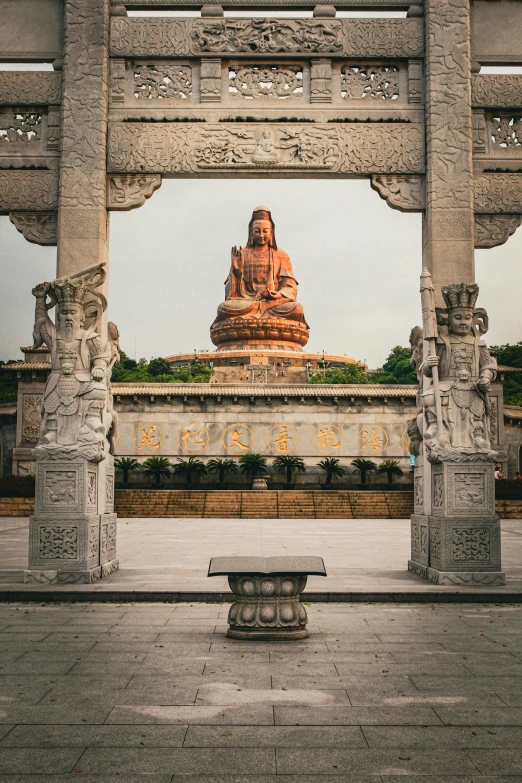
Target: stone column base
column 34, row 576
column 471, row 578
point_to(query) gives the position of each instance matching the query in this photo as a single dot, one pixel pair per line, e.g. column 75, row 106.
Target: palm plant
column 364, row 466
column 252, row 465
column 157, row 467
column 126, row 464
column 332, row 468
column 391, row 468
column 190, row 467
column 222, row 467
column 288, row 463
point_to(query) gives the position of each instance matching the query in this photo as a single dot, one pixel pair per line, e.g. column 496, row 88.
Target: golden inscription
column 405, row 441
column 373, row 439
column 238, row 439
column 283, row 439
column 327, row 439
column 193, row 438
column 148, row 438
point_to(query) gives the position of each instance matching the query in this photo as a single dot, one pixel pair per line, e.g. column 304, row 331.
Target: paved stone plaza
column 361, row 555
column 377, row 692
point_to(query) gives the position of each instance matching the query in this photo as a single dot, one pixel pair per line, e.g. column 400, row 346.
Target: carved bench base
column 267, row 607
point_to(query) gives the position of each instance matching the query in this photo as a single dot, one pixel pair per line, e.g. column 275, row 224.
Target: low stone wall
column 269, row 504
column 272, row 504
column 16, row 507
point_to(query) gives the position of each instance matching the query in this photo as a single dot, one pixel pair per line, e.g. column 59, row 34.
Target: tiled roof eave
column 260, row 390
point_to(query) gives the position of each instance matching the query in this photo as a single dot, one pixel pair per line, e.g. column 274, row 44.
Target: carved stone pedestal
column 459, row 542
column 267, row 607
column 260, row 333
column 72, row 535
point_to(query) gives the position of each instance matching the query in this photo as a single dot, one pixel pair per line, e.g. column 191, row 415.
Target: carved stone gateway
column 397, row 100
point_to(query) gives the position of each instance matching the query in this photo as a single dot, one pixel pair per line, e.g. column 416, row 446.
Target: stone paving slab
column 167, row 559
column 261, row 712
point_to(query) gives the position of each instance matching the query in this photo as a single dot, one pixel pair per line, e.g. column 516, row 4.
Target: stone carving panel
column 130, row 191
column 92, row 494
column 253, row 82
column 161, row 81
column 31, row 417
column 182, row 37
column 471, row 544
column 498, row 193
column 384, row 37
column 28, row 190
column 470, row 489
column 321, row 81
column 493, row 230
column 438, row 491
column 30, row 88
column 497, row 90
column 435, row 544
column 58, row 543
column 400, row 192
column 19, row 127
column 381, row 82
column 419, row 492
column 249, row 147
column 37, row 227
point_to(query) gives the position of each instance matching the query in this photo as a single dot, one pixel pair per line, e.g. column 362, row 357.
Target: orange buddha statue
column 260, row 294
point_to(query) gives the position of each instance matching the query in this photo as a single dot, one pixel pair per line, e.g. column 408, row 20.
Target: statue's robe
column 465, row 409
column 244, row 294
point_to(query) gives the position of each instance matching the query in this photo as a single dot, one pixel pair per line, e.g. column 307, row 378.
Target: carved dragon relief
column 182, row 37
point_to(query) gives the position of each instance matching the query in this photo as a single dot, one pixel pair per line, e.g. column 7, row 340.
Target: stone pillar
column 448, row 219
column 73, row 531
column 82, row 215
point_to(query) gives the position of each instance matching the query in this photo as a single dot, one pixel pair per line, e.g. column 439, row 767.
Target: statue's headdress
column 461, row 295
column 79, row 289
column 261, row 213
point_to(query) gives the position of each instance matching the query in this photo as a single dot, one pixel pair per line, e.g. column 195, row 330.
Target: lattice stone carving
column 58, row 543
column 506, row 130
column 18, row 126
column 265, row 81
column 30, row 88
column 130, row 191
column 471, row 544
column 337, row 148
column 158, row 81
column 496, row 90
column 400, row 192
column 493, row 230
column 359, row 81
column 37, row 227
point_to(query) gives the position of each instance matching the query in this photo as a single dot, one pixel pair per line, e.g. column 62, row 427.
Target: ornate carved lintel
column 405, row 193
column 37, row 227
column 130, row 191
column 493, row 230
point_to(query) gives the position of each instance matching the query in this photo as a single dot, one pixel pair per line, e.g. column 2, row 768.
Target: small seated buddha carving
column 261, row 294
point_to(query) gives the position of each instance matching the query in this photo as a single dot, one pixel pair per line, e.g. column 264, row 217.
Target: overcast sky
column 357, row 262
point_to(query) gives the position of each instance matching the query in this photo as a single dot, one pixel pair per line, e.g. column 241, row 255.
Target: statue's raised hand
column 41, row 290
column 237, row 261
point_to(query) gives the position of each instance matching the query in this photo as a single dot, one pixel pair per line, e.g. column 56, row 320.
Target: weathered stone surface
column 130, row 191
column 497, row 90
column 494, row 230
column 28, row 190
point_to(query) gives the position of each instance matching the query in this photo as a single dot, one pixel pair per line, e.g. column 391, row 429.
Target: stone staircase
column 264, row 504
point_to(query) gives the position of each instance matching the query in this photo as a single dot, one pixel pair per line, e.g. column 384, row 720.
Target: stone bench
column 267, row 591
